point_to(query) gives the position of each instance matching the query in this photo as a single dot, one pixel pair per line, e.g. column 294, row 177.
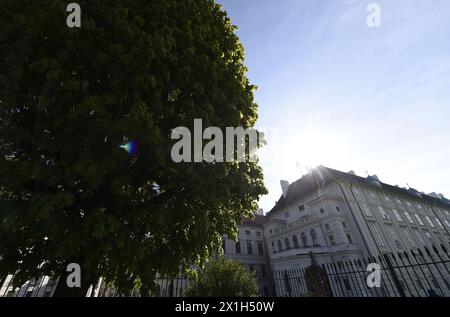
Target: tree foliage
column 224, row 278
column 69, row 97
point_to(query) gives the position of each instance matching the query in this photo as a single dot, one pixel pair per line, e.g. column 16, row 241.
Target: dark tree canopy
column 69, row 97
column 224, row 278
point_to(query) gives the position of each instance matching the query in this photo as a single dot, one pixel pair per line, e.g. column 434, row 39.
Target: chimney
column 284, row 187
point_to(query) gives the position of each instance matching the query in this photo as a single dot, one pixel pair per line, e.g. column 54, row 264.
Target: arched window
column 287, row 243
column 304, row 239
column 280, row 247
column 315, row 239
column 295, row 240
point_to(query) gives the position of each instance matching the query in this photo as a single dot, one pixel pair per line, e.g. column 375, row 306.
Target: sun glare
column 314, row 148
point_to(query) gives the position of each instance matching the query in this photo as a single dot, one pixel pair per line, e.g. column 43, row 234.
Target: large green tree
column 223, row 278
column 69, row 97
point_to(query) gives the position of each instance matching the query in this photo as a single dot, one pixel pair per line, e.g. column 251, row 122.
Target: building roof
column 258, row 221
column 321, row 176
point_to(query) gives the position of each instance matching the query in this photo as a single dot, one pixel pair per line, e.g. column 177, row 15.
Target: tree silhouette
column 71, row 98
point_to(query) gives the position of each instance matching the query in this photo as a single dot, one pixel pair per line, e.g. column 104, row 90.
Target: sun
column 313, row 148
column 290, row 155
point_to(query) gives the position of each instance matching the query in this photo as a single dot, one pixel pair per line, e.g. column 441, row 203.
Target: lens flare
column 130, row 147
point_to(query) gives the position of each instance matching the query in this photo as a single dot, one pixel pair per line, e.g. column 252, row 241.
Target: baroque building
column 329, row 216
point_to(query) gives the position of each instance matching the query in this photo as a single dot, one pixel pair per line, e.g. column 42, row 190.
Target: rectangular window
column 386, row 197
column 419, row 219
column 397, row 215
column 384, row 215
column 409, row 204
column 247, row 232
column 258, row 233
column 349, row 238
column 408, row 216
column 394, row 236
column 332, row 241
column 378, row 237
column 238, row 247
column 419, row 237
column 249, row 247
column 419, row 206
column 366, row 210
column 260, row 248
column 428, row 235
column 327, row 226
column 447, row 223
column 399, row 201
column 344, row 225
column 301, row 208
column 409, row 237
column 429, row 221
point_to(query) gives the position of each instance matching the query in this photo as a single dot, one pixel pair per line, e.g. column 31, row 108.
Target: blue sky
column 335, row 92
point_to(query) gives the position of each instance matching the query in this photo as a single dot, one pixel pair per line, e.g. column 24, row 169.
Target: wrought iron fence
column 166, row 286
column 422, row 272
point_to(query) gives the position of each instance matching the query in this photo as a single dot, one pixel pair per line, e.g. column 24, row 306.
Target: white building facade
column 335, row 217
